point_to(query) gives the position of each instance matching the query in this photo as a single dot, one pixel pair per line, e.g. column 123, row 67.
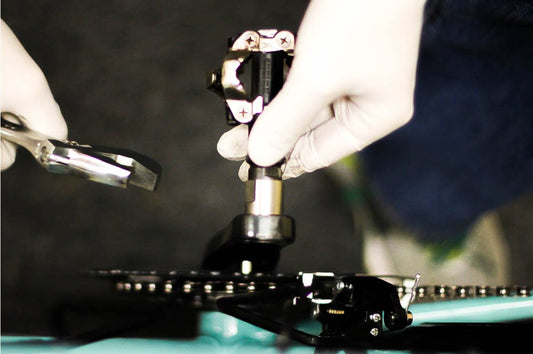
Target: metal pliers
column 111, row 166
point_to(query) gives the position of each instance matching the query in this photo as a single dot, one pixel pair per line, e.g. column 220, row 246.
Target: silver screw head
column 374, row 332
column 376, row 317
column 284, row 41
column 251, row 39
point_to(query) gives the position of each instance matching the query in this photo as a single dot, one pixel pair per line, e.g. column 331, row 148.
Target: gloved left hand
column 25, row 92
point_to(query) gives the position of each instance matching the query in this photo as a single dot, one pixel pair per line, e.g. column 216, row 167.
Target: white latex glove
column 25, row 92
column 351, row 83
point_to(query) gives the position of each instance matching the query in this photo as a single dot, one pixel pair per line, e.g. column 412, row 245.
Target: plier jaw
column 112, row 166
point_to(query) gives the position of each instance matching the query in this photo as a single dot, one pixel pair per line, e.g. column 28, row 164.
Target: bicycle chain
column 201, row 288
column 198, row 288
column 453, row 292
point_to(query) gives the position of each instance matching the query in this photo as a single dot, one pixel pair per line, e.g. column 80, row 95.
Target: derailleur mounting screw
column 374, row 332
column 376, row 317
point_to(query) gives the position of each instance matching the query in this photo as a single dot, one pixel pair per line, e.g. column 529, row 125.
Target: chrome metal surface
column 114, row 167
column 264, row 196
column 231, row 88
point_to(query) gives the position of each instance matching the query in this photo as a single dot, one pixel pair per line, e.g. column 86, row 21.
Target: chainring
column 201, row 288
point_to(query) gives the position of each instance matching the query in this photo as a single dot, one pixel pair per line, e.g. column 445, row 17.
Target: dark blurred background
column 131, row 74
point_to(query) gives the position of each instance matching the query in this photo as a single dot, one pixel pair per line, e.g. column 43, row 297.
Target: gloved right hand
column 351, row 83
column 25, row 92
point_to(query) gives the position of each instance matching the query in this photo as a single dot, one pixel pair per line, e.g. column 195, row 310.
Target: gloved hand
column 25, row 92
column 351, row 83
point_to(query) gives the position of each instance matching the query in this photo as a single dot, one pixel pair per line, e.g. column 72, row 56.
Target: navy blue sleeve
column 469, row 145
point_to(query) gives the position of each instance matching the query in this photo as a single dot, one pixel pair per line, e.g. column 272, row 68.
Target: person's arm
column 351, row 83
column 25, row 92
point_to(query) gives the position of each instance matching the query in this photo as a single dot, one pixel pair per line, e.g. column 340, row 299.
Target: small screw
column 284, row 41
column 374, row 332
column 376, row 317
column 250, row 41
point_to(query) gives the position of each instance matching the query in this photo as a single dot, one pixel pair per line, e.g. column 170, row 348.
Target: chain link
column 453, row 292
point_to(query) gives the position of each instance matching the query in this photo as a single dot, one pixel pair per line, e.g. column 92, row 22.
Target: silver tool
column 112, row 166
